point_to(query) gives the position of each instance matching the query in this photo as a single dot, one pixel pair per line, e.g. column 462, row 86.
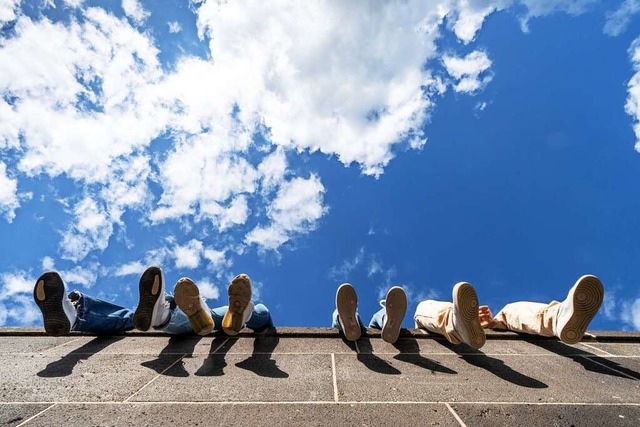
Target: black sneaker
column 58, row 313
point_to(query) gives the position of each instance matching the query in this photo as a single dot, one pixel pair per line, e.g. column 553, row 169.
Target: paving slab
column 22, row 344
column 482, row 378
column 76, row 377
column 618, row 349
column 277, row 345
column 244, row 378
column 548, row 415
column 15, row 413
column 246, row 414
column 166, row 345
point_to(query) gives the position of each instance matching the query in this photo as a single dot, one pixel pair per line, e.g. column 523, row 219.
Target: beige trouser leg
column 437, row 317
column 528, row 317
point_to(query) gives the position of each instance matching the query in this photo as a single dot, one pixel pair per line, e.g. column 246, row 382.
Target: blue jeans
column 102, row 317
column 375, row 322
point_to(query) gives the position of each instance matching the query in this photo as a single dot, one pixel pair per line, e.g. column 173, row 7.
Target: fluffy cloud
column 174, row 27
column 632, row 106
column 16, row 300
column 467, row 71
column 86, row 99
column 9, row 200
column 618, row 20
column 631, row 313
column 134, row 10
column 296, row 209
column 189, row 254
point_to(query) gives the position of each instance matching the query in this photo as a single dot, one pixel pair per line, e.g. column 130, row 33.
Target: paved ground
column 313, row 377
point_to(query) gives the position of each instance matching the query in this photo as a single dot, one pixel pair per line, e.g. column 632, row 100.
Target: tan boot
column 187, row 297
column 240, row 305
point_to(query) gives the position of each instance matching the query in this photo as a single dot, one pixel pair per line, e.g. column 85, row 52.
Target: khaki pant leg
column 437, row 317
column 528, row 317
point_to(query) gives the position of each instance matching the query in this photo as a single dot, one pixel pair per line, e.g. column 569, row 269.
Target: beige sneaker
column 465, row 315
column 240, row 305
column 347, row 303
column 187, row 297
column 395, row 306
column 579, row 308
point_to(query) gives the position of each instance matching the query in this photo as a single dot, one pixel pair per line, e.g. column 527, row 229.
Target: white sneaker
column 395, row 307
column 465, row 315
column 58, row 313
column 152, row 310
column 578, row 309
column 240, row 305
column 347, row 303
column 187, row 296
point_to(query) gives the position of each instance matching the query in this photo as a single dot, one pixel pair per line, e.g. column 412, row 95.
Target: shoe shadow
column 409, row 353
column 590, row 362
column 64, row 366
column 178, row 348
column 491, row 364
column 214, row 364
column 260, row 362
column 369, row 359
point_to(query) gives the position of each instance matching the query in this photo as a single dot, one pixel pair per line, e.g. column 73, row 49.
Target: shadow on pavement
column 491, row 364
column 175, row 348
column 64, row 366
column 260, row 362
column 368, row 359
column 586, row 359
column 214, row 364
column 409, row 353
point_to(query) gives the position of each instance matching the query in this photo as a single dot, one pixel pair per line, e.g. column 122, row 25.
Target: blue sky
column 415, row 144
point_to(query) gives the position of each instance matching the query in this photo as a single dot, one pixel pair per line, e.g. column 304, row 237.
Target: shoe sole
column 239, row 297
column 347, row 303
column 465, row 303
column 149, row 290
column 187, row 297
column 396, row 308
column 48, row 294
column 586, row 296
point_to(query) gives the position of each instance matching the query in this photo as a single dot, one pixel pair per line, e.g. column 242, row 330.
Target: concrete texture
column 300, row 376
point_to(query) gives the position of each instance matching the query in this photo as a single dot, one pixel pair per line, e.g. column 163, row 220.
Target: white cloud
column 632, row 107
column 174, row 27
column 73, row 3
column 130, row 268
column 469, row 71
column 48, row 264
column 83, row 276
column 342, row 272
column 189, row 254
column 14, row 283
column 296, row 209
column 8, row 10
column 134, row 10
column 538, row 8
column 630, row 313
column 91, row 230
column 208, row 290
column 9, row 200
column 618, row 20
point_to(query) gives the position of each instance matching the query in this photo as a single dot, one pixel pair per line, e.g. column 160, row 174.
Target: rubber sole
column 48, row 293
column 347, row 303
column 150, row 290
column 586, row 298
column 396, row 308
column 187, row 296
column 465, row 309
column 239, row 298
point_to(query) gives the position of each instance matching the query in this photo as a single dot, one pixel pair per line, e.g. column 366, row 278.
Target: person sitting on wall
column 156, row 310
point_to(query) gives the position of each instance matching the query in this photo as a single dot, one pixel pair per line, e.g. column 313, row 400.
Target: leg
column 458, row 321
column 377, row 320
column 260, row 318
column 437, row 317
column 98, row 316
column 527, row 317
column 567, row 320
column 177, row 323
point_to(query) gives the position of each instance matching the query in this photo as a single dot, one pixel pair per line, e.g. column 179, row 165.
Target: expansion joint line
column 36, row 415
column 128, row 399
column 455, row 414
column 335, row 378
